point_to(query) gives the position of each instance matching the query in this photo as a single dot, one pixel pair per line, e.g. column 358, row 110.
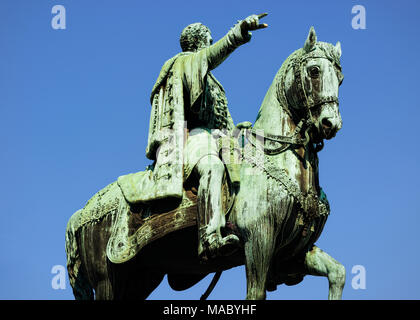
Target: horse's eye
column 314, row 72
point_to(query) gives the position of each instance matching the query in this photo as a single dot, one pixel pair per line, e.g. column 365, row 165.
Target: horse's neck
column 273, row 119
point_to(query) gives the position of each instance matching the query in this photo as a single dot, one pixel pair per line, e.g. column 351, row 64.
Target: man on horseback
column 189, row 115
column 283, row 196
column 187, row 103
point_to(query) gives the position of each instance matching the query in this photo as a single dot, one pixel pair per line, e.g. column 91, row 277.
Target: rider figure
column 187, row 94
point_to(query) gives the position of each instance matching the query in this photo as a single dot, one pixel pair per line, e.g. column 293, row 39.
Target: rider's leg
column 210, row 169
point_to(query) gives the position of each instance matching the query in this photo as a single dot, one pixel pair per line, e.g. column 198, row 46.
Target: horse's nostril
column 326, row 123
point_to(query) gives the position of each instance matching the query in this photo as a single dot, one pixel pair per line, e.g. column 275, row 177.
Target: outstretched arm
column 238, row 35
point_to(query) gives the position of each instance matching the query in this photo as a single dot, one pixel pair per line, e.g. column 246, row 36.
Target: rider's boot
column 211, row 218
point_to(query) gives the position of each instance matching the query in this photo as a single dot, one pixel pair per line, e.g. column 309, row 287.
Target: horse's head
column 310, row 86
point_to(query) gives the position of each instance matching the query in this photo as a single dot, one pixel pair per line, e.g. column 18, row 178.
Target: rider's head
column 195, row 37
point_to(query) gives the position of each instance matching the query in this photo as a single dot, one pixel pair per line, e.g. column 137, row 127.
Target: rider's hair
column 193, row 37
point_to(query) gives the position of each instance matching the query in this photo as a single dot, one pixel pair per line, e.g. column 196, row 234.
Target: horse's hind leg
column 319, row 263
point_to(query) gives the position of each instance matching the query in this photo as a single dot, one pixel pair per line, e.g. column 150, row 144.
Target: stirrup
column 214, row 246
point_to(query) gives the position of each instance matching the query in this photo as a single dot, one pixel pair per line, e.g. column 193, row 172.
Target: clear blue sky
column 74, row 112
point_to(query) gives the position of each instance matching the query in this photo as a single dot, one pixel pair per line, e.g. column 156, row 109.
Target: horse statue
column 116, row 250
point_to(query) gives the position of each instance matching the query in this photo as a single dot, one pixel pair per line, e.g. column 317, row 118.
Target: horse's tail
column 82, row 289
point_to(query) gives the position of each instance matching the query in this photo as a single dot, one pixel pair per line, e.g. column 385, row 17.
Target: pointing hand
column 253, row 23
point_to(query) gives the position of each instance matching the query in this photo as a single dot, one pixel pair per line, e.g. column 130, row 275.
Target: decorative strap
column 309, row 202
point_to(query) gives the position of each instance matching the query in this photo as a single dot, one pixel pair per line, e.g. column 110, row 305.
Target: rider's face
column 208, row 40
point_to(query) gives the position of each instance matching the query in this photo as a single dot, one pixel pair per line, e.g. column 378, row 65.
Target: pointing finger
column 262, row 26
column 262, row 15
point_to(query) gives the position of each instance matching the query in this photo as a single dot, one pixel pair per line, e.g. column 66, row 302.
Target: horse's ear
column 310, row 41
column 338, row 49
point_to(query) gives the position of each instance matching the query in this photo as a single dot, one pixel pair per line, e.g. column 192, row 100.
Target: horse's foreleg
column 319, row 263
column 103, row 290
column 258, row 253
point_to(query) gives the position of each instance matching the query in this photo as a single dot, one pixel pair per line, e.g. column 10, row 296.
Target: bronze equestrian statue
column 248, row 194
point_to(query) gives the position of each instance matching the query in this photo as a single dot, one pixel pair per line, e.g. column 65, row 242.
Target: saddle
column 137, row 226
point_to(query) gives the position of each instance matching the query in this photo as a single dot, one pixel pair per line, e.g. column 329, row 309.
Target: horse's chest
column 293, row 224
column 301, row 166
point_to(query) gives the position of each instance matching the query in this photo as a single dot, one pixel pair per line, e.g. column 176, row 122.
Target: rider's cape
column 180, row 84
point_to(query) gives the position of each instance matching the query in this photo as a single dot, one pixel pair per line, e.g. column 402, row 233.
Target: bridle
column 300, row 136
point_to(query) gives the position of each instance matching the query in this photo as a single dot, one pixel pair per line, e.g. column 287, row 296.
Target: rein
column 285, row 141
